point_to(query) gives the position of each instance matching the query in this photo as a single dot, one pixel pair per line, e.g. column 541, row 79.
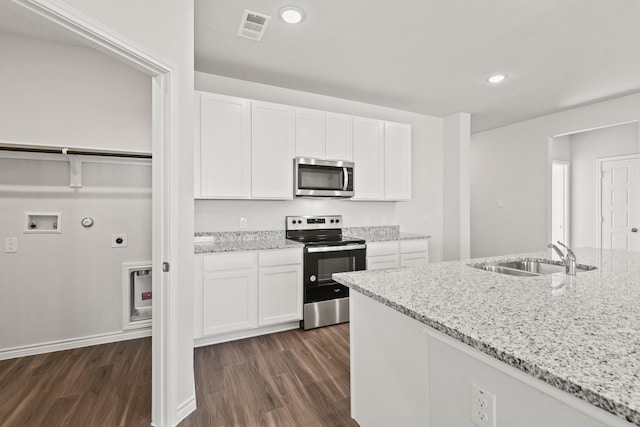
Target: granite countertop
column 580, row 333
column 381, row 233
column 239, row 241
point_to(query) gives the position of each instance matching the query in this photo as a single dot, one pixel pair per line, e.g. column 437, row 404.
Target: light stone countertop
column 580, row 334
column 241, row 241
column 382, row 233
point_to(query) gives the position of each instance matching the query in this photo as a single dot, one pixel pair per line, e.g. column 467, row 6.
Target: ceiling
column 15, row 20
column 433, row 56
column 427, row 56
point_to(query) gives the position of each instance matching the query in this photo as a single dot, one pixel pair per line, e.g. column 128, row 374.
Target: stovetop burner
column 318, row 231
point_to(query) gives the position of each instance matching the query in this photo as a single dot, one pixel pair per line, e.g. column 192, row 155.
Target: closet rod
column 72, row 151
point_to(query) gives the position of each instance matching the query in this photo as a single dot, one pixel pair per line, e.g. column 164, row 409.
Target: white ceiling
column 427, row 56
column 432, row 56
column 14, row 20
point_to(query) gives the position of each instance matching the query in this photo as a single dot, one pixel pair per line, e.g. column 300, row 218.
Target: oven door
column 320, row 262
column 322, row 178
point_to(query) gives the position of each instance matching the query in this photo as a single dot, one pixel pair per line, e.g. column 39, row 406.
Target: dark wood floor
column 295, row 378
column 103, row 385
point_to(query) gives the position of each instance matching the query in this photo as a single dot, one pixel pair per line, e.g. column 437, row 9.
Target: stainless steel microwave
column 322, row 178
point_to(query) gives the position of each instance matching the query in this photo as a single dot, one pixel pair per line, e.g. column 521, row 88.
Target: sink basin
column 538, row 267
column 529, row 268
column 504, row 270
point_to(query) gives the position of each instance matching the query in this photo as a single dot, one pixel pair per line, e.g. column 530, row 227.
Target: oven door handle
column 336, row 248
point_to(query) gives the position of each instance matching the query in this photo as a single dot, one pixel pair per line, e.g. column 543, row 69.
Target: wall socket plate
column 483, row 407
column 119, row 241
column 243, row 222
column 10, row 245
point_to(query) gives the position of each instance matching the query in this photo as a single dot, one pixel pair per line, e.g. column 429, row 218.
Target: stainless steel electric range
column 326, row 251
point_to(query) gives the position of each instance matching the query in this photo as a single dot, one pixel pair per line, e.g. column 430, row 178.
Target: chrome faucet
column 569, row 260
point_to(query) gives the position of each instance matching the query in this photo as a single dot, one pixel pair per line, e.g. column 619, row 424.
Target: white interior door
column 620, row 207
column 560, row 203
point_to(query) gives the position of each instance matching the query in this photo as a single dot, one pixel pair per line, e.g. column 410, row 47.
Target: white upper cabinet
column 309, row 133
column 272, row 150
column 244, row 149
column 223, row 147
column 368, row 155
column 397, row 157
column 338, row 137
column 321, row 135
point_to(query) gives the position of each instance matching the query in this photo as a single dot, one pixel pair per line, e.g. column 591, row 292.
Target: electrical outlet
column 118, row 240
column 243, row 222
column 501, row 203
column 483, row 407
column 11, row 245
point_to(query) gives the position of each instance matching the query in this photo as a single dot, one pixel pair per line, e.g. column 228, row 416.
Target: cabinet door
column 338, row 137
column 397, row 156
column 272, row 151
column 416, row 259
column 383, row 261
column 368, row 155
column 309, row 133
column 279, row 294
column 229, row 295
column 223, row 148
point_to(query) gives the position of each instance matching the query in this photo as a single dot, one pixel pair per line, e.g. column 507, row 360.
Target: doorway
column 164, row 112
column 619, row 194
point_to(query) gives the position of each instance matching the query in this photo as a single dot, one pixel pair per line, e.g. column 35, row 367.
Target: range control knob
column 312, row 278
column 299, row 221
column 293, row 222
column 337, row 221
column 332, row 221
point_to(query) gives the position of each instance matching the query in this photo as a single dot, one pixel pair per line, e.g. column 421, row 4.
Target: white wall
column 69, row 285
column 512, row 163
column 426, row 204
column 71, row 96
column 456, row 196
column 586, row 148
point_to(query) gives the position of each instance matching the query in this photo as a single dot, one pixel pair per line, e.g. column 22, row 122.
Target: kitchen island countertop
column 580, row 334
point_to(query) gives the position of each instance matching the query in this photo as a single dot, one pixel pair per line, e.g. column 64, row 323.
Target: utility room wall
column 68, row 286
column 71, row 96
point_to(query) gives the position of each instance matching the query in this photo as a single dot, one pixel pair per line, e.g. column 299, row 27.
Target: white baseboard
column 185, row 408
column 69, row 344
column 233, row 336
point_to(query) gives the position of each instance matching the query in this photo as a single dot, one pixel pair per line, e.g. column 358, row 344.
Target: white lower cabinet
column 243, row 291
column 382, row 255
column 394, row 254
column 414, row 253
column 229, row 293
column 279, row 287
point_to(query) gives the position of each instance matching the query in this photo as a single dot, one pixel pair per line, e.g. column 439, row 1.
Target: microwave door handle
column 345, row 172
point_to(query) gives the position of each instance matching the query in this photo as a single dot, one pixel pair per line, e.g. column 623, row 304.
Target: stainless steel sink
column 529, row 268
column 504, row 270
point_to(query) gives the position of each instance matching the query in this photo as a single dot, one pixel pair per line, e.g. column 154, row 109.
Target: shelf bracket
column 75, row 172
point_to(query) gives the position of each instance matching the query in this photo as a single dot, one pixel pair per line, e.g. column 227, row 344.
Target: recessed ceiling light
column 291, row 15
column 496, row 78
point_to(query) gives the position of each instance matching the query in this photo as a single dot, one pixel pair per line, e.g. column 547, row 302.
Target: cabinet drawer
column 280, row 257
column 229, row 261
column 383, row 261
column 382, row 248
column 407, row 246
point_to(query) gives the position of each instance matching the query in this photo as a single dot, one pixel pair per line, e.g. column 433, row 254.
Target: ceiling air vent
column 253, row 25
